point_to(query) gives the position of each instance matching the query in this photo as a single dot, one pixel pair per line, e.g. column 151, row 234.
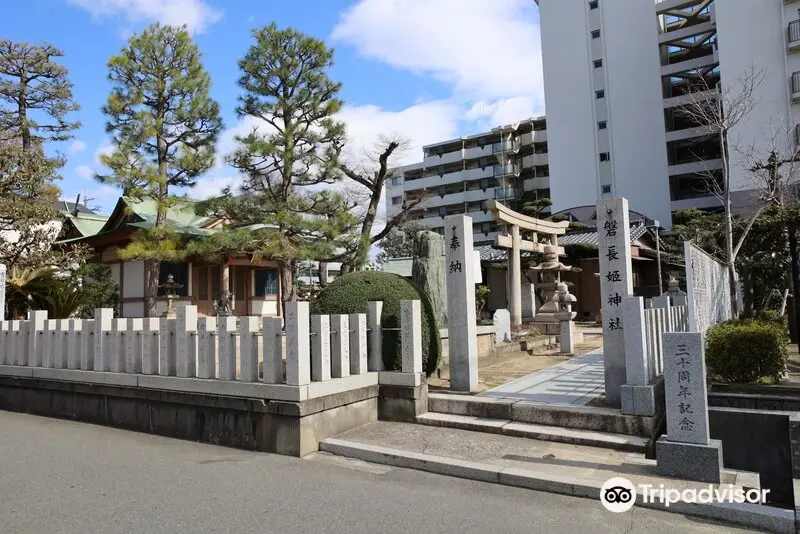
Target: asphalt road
column 62, row 476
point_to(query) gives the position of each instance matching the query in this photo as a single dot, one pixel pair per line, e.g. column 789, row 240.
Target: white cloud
column 421, row 124
column 504, row 111
column 85, row 172
column 212, row 186
column 106, row 149
column 196, row 14
column 485, row 49
column 77, row 146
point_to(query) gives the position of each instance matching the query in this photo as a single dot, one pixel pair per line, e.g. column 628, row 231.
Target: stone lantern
column 562, row 302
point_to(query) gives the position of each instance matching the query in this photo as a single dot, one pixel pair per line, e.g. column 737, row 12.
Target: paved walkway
column 575, row 382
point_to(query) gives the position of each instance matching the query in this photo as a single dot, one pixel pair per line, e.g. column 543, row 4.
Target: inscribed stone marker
column 685, row 388
column 616, row 282
column 462, row 330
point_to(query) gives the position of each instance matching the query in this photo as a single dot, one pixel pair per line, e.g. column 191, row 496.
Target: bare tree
column 719, row 109
column 372, row 173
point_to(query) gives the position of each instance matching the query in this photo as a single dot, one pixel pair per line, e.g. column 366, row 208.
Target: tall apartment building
column 615, row 72
column 508, row 163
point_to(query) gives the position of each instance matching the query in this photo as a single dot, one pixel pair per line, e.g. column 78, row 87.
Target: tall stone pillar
column 516, row 277
column 2, row 292
column 616, row 283
column 462, row 329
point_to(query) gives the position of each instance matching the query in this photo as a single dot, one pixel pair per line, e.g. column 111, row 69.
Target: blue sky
column 427, row 70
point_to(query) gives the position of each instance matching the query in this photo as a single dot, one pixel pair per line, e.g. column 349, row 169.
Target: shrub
column 352, row 292
column 747, row 351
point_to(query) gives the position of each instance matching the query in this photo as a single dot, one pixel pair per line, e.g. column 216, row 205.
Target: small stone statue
column 562, row 301
column 674, row 288
column 223, row 305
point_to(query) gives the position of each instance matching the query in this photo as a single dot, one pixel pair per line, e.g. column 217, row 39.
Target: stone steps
column 566, row 416
column 607, row 440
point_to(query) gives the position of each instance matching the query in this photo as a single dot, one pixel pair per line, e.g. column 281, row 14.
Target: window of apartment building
column 397, row 180
column 442, row 191
column 598, row 63
column 483, row 162
column 595, row 34
column 605, row 189
column 481, row 142
column 397, row 200
column 605, row 156
column 602, row 125
column 440, row 170
column 442, row 211
column 593, row 4
column 600, row 94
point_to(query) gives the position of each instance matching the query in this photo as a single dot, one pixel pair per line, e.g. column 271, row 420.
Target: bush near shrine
column 748, row 351
column 352, row 292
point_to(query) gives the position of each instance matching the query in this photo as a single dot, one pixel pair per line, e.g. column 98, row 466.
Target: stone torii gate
column 545, row 234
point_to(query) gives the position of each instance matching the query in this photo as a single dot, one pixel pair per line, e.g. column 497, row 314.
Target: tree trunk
column 322, row 274
column 793, row 252
column 23, row 117
column 161, row 217
column 288, row 289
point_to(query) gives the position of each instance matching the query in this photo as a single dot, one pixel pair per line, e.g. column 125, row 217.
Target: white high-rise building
column 614, row 73
column 508, row 163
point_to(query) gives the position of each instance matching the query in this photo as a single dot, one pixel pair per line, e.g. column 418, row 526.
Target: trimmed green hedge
column 748, row 351
column 352, row 292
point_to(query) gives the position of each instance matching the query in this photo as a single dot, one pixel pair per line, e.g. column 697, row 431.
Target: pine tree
column 291, row 158
column 164, row 126
column 28, row 216
column 37, row 94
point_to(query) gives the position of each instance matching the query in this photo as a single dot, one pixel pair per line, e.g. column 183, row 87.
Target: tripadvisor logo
column 618, row 495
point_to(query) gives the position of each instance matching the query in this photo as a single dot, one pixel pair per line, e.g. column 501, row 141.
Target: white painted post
column 167, row 365
column 320, row 348
column 358, row 343
column 186, row 341
column 411, row 336
column 651, row 351
column 208, row 347
column 119, row 336
column 273, row 350
column 461, row 325
column 134, row 343
column 151, row 345
column 663, row 303
column 49, row 343
column 374, row 311
column 74, row 344
column 250, row 343
column 659, row 325
column 61, row 344
column 87, row 345
column 636, row 363
column 5, row 349
column 2, row 294
column 36, row 320
column 298, row 353
column 616, row 282
column 227, row 347
column 102, row 326
column 340, row 346
column 17, row 332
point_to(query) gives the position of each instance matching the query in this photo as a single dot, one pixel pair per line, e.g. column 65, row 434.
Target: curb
column 764, row 518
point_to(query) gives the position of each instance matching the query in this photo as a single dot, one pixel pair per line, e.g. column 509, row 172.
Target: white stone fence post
column 188, row 352
column 644, row 347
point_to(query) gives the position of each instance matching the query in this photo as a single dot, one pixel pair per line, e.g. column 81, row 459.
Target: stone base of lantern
column 690, row 461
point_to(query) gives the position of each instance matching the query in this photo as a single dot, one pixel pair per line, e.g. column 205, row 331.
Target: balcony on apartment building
column 445, row 178
column 795, row 83
column 793, row 35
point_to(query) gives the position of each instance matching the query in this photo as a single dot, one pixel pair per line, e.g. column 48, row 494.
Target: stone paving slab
column 577, row 382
